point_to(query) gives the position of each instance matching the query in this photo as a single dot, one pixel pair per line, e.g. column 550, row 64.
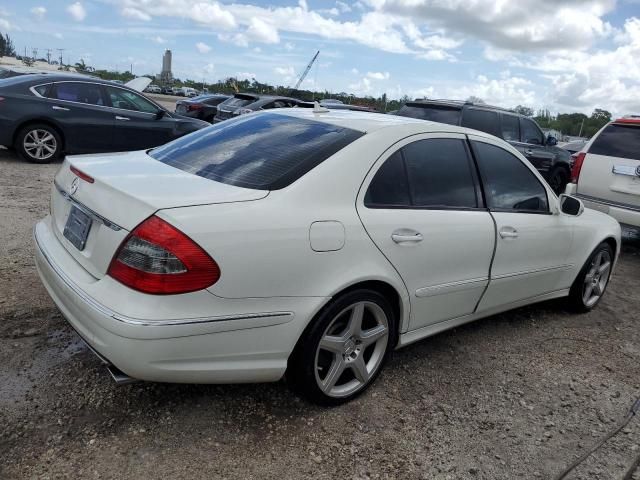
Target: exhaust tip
column 120, row 377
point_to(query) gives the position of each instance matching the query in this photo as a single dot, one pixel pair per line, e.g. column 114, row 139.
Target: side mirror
column 160, row 114
column 571, row 205
column 552, row 141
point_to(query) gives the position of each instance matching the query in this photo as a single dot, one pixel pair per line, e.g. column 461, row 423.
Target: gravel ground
column 518, row 395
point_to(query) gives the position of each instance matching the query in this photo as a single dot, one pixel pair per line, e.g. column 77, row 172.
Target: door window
column 618, row 141
column 510, row 128
column 530, row 132
column 434, row 173
column 89, row 93
column 483, row 120
column 508, row 184
column 127, row 100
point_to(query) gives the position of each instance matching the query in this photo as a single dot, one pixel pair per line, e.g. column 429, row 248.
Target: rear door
column 611, row 168
column 424, row 211
column 135, row 125
column 80, row 108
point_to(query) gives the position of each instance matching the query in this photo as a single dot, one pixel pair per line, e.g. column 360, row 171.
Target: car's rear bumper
column 248, row 346
column 625, row 214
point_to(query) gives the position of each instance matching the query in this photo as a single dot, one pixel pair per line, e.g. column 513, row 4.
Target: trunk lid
column 127, row 188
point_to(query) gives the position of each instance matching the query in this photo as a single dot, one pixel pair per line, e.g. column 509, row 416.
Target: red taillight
column 81, row 174
column 158, row 258
column 195, row 106
column 578, row 160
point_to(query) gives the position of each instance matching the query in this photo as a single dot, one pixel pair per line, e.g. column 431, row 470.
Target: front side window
column 434, row 173
column 89, row 93
column 530, row 133
column 510, row 128
column 263, row 152
column 127, row 100
column 483, row 120
column 618, row 141
column 508, row 184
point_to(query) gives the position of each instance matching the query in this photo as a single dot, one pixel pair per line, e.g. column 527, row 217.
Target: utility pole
column 35, row 53
column 60, row 50
column 48, row 55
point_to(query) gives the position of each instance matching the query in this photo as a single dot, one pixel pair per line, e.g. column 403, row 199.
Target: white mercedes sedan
column 307, row 242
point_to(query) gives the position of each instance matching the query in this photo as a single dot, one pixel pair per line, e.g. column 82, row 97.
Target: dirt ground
column 518, row 395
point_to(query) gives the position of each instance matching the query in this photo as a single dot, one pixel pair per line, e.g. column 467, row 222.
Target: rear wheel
column 588, row 289
column 39, row 143
column 344, row 350
column 558, row 179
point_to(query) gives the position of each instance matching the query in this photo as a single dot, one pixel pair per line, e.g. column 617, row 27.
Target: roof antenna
column 319, row 109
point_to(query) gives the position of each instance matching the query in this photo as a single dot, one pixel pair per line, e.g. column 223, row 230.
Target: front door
column 532, row 243
column 532, row 146
column 422, row 206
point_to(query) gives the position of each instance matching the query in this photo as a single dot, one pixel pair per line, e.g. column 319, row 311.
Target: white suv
column 606, row 172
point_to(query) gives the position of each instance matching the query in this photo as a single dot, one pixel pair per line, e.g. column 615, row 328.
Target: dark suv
column 520, row 131
column 242, row 103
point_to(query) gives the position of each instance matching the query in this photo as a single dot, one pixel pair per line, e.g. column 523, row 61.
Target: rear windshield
column 238, row 102
column 441, row 114
column 263, row 152
column 618, row 141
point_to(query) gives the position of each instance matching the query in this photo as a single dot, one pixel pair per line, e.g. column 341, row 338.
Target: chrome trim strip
column 626, row 206
column 625, row 170
column 96, row 216
column 531, row 272
column 451, row 287
column 143, row 322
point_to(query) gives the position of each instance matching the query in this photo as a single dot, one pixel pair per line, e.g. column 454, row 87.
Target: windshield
column 263, row 152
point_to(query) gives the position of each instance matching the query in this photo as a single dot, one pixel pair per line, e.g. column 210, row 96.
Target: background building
column 165, row 75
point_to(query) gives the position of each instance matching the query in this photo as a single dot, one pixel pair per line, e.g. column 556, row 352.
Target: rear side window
column 530, row 133
column 237, row 102
column 434, row 173
column 508, row 184
column 618, row 141
column 449, row 115
column 89, row 93
column 263, row 152
column 510, row 128
column 483, row 120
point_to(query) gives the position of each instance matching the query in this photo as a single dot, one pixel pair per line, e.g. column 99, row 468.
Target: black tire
column 54, row 141
column 558, row 179
column 576, row 300
column 304, row 372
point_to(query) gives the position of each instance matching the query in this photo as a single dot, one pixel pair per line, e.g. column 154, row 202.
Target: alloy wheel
column 351, row 349
column 40, row 144
column 595, row 281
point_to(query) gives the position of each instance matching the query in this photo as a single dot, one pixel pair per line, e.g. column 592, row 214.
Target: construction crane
column 306, row 70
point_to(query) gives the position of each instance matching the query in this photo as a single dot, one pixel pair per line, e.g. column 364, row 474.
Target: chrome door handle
column 56, row 107
column 528, row 152
column 405, row 235
column 122, row 118
column 508, row 232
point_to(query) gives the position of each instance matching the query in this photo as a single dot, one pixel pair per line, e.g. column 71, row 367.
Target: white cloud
column 343, row 7
column 363, row 87
column 135, row 14
column 289, row 46
column 238, row 39
column 77, row 11
column 39, row 12
column 262, row 31
column 203, row 47
column 285, row 71
column 5, row 25
column 158, row 39
column 58, row 35
column 378, row 75
column 245, row 75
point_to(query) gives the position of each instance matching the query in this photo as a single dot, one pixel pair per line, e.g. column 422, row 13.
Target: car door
column 421, row 205
column 135, row 122
column 532, row 146
column 80, row 109
column 533, row 242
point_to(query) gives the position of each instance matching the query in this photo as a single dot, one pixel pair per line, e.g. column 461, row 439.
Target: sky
column 561, row 55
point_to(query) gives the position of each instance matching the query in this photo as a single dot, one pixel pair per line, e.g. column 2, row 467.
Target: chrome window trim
column 94, row 304
column 33, row 90
column 87, row 210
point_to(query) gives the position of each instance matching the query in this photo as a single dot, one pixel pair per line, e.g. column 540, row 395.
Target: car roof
column 369, row 121
column 458, row 104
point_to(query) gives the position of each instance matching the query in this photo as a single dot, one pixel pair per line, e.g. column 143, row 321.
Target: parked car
column 336, row 106
column 185, row 92
column 242, row 103
column 166, row 90
column 153, row 89
column 44, row 116
column 308, row 242
column 522, row 132
column 606, row 173
column 573, row 147
column 203, row 107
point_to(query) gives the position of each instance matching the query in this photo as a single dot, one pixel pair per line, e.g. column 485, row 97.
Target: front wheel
column 588, row 288
column 39, row 143
column 345, row 348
